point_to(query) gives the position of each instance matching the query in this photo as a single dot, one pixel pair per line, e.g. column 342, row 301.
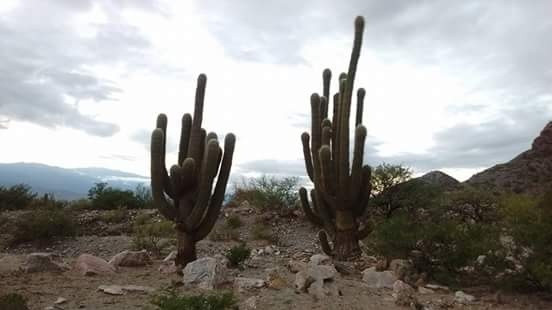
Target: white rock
column 463, row 298
column 131, row 259
column 302, row 281
column 378, row 279
column 89, row 265
column 296, row 266
column 60, row 300
column 122, row 289
column 268, row 250
column 206, row 273
column 425, row 291
column 403, row 294
column 242, row 284
column 481, row 259
column 437, row 287
column 319, row 259
column 250, row 303
column 321, row 289
column 111, row 289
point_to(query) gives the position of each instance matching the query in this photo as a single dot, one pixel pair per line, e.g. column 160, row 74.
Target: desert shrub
column 266, row 192
column 224, row 233
column 238, row 254
column 105, row 197
column 13, row 301
column 152, row 234
column 528, row 221
column 115, row 216
column 16, row 197
column 261, row 231
column 80, row 204
column 444, row 241
column 169, row 300
column 43, row 224
column 233, row 221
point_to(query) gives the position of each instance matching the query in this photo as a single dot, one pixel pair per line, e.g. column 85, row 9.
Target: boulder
column 242, row 284
column 319, row 259
column 403, row 294
column 378, row 279
column 44, row 262
column 463, row 298
column 89, row 265
column 296, row 266
column 402, row 268
column 122, row 289
column 131, row 259
column 206, row 273
column 321, row 289
column 10, row 264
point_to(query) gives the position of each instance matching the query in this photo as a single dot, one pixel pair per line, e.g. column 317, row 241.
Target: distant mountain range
column 66, row 183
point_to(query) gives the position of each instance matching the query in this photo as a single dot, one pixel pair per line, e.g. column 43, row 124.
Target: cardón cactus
column 192, row 203
column 341, row 190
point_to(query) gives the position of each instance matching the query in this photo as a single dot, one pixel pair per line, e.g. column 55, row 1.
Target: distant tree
column 96, row 190
column 143, row 194
column 103, row 196
column 387, row 175
column 16, row 197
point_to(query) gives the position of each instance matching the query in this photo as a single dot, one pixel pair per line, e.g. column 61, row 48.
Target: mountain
column 440, row 179
column 529, row 172
column 65, row 183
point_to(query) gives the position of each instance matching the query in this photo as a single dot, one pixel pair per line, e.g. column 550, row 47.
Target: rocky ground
column 287, row 273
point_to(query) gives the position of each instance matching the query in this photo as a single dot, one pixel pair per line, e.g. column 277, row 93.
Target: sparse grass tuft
column 238, row 254
column 152, row 234
column 169, row 300
column 233, row 221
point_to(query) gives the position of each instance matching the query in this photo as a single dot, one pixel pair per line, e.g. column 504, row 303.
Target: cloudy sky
column 452, row 85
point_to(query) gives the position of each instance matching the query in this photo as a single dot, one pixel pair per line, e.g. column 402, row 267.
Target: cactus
column 186, row 195
column 341, row 188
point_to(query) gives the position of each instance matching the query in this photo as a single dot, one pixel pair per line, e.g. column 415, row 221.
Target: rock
column 437, row 287
column 481, row 259
column 378, row 279
column 89, row 265
column 167, row 268
column 321, row 289
column 345, row 268
column 131, row 259
column 403, row 294
column 10, row 264
column 268, row 250
column 250, row 303
column 274, row 279
column 302, row 281
column 319, row 259
column 463, row 298
column 296, row 266
column 402, row 268
column 122, row 289
column 206, row 273
column 60, row 300
column 244, row 284
column 382, row 264
column 425, row 291
column 321, row 272
column 44, row 262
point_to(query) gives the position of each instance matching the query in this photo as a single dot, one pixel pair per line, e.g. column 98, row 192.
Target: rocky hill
column 529, row 172
column 439, row 178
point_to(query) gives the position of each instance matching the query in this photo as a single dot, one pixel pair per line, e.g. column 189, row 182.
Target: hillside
column 529, row 172
column 65, row 183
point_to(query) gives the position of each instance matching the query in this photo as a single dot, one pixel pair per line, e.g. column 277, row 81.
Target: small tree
column 16, row 197
column 387, row 175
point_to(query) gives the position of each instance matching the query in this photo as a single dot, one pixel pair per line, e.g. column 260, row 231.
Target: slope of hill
column 65, row 183
column 529, row 172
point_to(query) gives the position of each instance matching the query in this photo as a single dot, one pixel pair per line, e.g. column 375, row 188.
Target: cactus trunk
column 185, row 249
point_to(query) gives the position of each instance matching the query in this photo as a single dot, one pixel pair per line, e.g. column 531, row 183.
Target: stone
column 463, row 298
column 302, row 281
column 242, row 284
column 44, row 262
column 250, row 303
column 321, row 289
column 274, row 279
column 378, row 279
column 319, row 259
column 206, row 273
column 425, row 291
column 60, row 300
column 346, row 268
column 437, row 287
column 403, row 294
column 10, row 264
column 296, row 266
column 111, row 289
column 89, row 265
column 402, row 268
column 122, row 289
column 321, row 272
column 268, row 250
column 131, row 259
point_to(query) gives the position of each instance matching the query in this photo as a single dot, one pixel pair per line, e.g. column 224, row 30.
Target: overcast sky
column 451, row 85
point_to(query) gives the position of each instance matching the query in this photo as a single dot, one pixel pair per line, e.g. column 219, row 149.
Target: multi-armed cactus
column 193, row 206
column 341, row 190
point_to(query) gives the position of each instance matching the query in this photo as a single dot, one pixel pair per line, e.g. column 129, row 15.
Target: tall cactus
column 341, row 190
column 192, row 204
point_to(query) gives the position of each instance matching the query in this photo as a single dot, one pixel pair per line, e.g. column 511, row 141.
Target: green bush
column 444, row 241
column 238, row 254
column 43, row 224
column 16, row 197
column 13, row 302
column 266, row 192
column 169, row 300
column 528, row 221
column 233, row 221
column 152, row 234
column 104, row 197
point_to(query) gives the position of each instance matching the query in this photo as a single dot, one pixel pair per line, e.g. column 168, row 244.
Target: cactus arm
column 218, row 195
column 323, row 108
column 361, row 93
column 305, row 140
column 184, row 138
column 334, row 124
column 162, row 124
column 355, row 55
column 196, row 139
column 326, row 80
column 157, row 175
column 358, row 155
column 316, row 130
column 365, row 192
column 208, row 172
column 309, row 211
column 324, row 243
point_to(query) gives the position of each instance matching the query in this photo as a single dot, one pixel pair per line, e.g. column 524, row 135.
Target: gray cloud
column 119, row 157
column 44, row 62
column 143, row 136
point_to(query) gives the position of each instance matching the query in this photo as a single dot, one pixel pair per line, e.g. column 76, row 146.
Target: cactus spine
column 341, row 190
column 192, row 203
